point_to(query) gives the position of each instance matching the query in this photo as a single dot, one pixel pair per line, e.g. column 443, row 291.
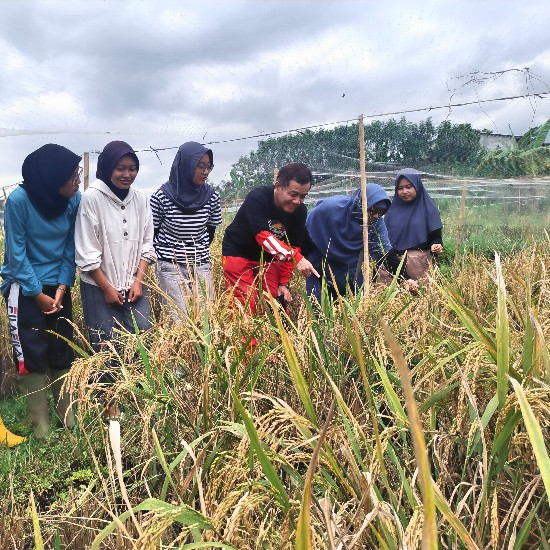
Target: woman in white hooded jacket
column 114, row 247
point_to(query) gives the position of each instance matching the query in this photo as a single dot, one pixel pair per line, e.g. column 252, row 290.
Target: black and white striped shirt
column 183, row 237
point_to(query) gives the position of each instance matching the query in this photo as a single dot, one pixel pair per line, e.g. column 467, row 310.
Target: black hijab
column 108, row 159
column 180, row 189
column 45, row 171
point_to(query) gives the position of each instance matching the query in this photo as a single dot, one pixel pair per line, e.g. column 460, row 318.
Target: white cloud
column 158, row 74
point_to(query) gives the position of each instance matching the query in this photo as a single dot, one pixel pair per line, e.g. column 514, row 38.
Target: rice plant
column 383, row 421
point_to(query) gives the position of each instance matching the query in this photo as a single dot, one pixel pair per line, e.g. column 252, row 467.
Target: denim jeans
column 182, row 283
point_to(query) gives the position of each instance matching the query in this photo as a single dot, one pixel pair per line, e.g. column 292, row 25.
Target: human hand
column 437, row 249
column 59, row 295
column 136, row 291
column 285, row 293
column 113, row 296
column 305, row 268
column 411, row 285
column 46, row 304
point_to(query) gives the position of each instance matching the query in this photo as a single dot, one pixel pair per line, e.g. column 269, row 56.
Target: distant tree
column 336, row 150
column 324, row 150
column 399, row 141
column 227, row 189
column 456, row 143
column 531, row 158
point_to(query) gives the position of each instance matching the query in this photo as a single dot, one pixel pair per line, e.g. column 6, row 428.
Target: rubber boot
column 63, row 404
column 36, row 386
column 7, row 438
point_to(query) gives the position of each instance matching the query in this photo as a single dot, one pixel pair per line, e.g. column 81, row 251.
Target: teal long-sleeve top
column 37, row 251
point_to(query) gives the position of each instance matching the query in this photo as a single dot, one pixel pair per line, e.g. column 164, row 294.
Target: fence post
column 366, row 257
column 86, row 170
column 460, row 222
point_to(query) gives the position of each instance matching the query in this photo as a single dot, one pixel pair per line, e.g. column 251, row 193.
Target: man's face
column 292, row 196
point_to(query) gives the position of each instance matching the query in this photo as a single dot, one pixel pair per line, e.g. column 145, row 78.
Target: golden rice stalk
column 413, row 532
column 495, row 524
column 303, row 529
column 429, row 534
column 38, row 542
column 542, row 355
column 294, row 367
column 114, row 438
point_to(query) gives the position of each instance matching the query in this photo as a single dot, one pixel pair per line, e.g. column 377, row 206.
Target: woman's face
column 70, row 188
column 125, row 172
column 202, row 170
column 405, row 190
column 374, row 214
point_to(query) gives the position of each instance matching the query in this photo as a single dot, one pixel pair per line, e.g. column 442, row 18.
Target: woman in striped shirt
column 186, row 211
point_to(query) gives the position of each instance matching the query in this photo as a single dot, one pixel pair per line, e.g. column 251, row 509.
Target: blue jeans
column 182, row 283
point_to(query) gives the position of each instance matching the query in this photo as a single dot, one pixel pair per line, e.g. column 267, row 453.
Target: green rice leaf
column 256, row 445
column 469, row 320
column 162, row 460
column 179, row 513
column 535, row 435
column 503, row 336
column 294, row 367
column 76, row 348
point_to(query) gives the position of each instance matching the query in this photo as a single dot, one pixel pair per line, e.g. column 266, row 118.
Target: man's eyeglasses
column 202, row 167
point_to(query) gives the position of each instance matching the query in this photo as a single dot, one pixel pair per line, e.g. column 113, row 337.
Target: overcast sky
column 159, row 73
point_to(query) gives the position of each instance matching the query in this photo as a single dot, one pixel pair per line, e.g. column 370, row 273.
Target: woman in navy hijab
column 186, row 212
column 414, row 224
column 38, row 273
column 335, row 226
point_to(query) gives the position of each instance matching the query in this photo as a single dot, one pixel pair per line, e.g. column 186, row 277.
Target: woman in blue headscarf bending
column 335, row 226
column 414, row 224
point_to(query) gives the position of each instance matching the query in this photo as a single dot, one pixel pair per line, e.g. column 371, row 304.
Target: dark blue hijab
column 108, row 159
column 44, row 172
column 409, row 223
column 335, row 224
column 180, row 188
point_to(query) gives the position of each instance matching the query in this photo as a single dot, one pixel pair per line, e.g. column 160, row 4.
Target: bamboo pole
column 460, row 222
column 275, row 175
column 86, row 170
column 366, row 257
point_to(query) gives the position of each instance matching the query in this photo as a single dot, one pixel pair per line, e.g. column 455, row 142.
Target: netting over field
column 505, row 180
column 498, row 213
